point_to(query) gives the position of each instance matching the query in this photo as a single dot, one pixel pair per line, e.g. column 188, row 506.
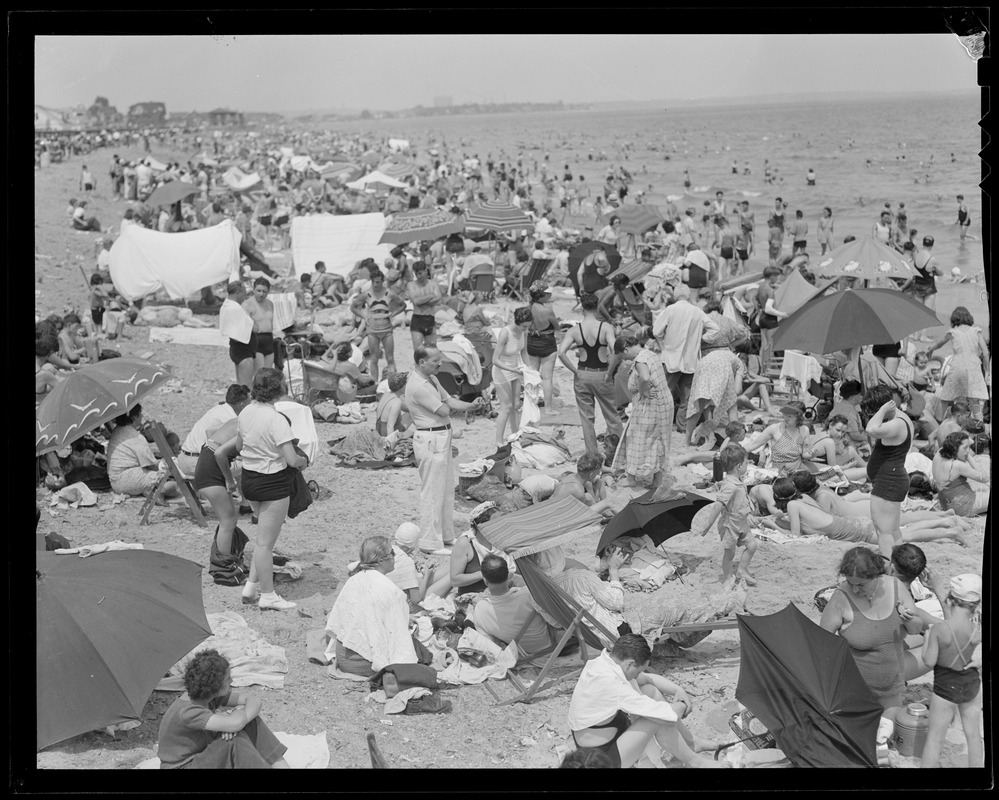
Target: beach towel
column 181, row 335
column 779, row 537
column 285, row 305
column 253, row 661
column 461, row 351
column 145, row 261
column 303, row 426
column 96, row 549
column 340, row 241
column 305, row 751
column 531, row 412
column 73, row 496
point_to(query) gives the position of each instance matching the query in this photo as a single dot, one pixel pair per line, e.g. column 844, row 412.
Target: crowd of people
column 665, row 353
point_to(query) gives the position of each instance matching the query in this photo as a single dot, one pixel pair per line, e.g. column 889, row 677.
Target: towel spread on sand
column 182, row 335
column 94, row 549
column 305, row 751
column 253, row 661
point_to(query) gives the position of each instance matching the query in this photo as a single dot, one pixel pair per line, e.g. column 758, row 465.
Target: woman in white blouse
column 266, row 443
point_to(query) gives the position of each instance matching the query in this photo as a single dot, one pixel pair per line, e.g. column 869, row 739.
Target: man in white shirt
column 430, row 407
column 679, row 328
column 620, row 709
column 236, row 398
column 502, row 610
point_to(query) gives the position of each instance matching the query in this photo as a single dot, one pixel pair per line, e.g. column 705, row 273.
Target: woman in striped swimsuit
column 788, row 440
column 375, row 309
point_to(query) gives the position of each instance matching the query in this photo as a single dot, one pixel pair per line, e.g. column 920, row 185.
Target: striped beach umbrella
column 635, row 219
column 421, row 224
column 398, row 171
column 497, row 216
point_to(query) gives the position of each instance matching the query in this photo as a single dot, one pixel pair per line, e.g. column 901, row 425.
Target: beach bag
column 229, row 569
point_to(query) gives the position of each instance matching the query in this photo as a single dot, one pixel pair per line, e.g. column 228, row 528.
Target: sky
column 298, row 73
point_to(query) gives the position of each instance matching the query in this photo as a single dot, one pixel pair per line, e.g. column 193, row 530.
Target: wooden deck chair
column 575, row 621
column 535, row 271
column 183, row 483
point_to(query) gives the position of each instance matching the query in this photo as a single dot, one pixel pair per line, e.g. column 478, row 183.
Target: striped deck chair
column 533, row 530
column 535, row 271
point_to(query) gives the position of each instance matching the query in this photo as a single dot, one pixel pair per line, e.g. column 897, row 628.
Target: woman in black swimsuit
column 541, row 343
column 892, row 433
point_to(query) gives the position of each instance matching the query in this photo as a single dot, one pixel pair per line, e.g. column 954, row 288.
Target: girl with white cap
column 957, row 680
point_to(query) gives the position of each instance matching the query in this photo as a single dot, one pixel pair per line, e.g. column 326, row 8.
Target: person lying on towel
column 621, row 710
column 213, row 726
column 369, row 622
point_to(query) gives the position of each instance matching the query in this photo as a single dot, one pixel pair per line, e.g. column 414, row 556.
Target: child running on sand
column 731, row 509
column 957, row 682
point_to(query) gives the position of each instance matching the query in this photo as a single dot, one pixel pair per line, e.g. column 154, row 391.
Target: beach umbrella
column 795, row 291
column 497, row 216
column 581, row 251
column 375, row 179
column 91, row 396
column 635, row 269
column 169, row 193
column 853, row 318
column 421, row 224
column 371, row 158
column 635, row 219
column 398, row 171
column 108, row 628
column 341, row 171
column 754, row 274
column 865, row 258
column 658, row 519
column 803, row 684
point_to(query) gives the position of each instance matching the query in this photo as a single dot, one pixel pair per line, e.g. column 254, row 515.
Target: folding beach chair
column 533, row 530
column 535, row 271
column 183, row 483
column 482, row 278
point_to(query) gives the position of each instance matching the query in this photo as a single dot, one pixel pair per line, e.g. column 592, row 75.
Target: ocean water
column 834, row 139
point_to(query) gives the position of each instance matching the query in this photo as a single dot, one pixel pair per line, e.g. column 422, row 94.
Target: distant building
column 442, row 101
column 49, row 119
column 225, row 117
column 143, row 114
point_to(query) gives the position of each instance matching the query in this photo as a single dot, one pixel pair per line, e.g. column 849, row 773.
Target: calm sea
column 905, row 140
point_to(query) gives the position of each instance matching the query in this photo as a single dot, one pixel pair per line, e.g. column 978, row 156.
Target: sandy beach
column 365, row 503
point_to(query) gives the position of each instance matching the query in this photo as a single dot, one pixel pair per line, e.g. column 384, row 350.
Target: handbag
column 229, row 569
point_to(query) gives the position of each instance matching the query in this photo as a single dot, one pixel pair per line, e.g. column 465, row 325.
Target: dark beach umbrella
column 658, row 519
column 852, row 318
column 803, row 684
column 108, row 627
column 579, row 253
column 170, row 192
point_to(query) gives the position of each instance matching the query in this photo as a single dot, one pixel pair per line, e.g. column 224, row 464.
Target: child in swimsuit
column 949, row 649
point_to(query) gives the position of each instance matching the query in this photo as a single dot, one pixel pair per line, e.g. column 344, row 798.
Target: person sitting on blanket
column 368, row 625
column 196, row 734
column 392, row 417
column 586, row 485
column 503, row 610
column 404, row 574
column 619, row 708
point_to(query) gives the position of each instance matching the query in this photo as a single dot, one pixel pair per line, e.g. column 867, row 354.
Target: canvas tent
column 144, row 261
column 239, row 181
column 340, row 241
column 374, row 179
column 398, row 145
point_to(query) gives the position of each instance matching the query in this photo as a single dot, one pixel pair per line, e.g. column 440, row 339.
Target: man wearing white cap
column 957, row 682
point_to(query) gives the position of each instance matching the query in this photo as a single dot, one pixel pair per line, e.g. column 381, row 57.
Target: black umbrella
column 802, row 683
column 658, row 519
column 579, row 253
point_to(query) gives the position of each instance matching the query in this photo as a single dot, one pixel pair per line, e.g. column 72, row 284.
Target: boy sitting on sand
column 586, row 485
column 731, row 509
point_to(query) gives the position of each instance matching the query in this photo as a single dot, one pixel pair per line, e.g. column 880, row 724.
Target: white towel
column 531, row 412
column 234, row 322
column 285, row 305
column 94, row 549
column 801, row 368
column 181, row 335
